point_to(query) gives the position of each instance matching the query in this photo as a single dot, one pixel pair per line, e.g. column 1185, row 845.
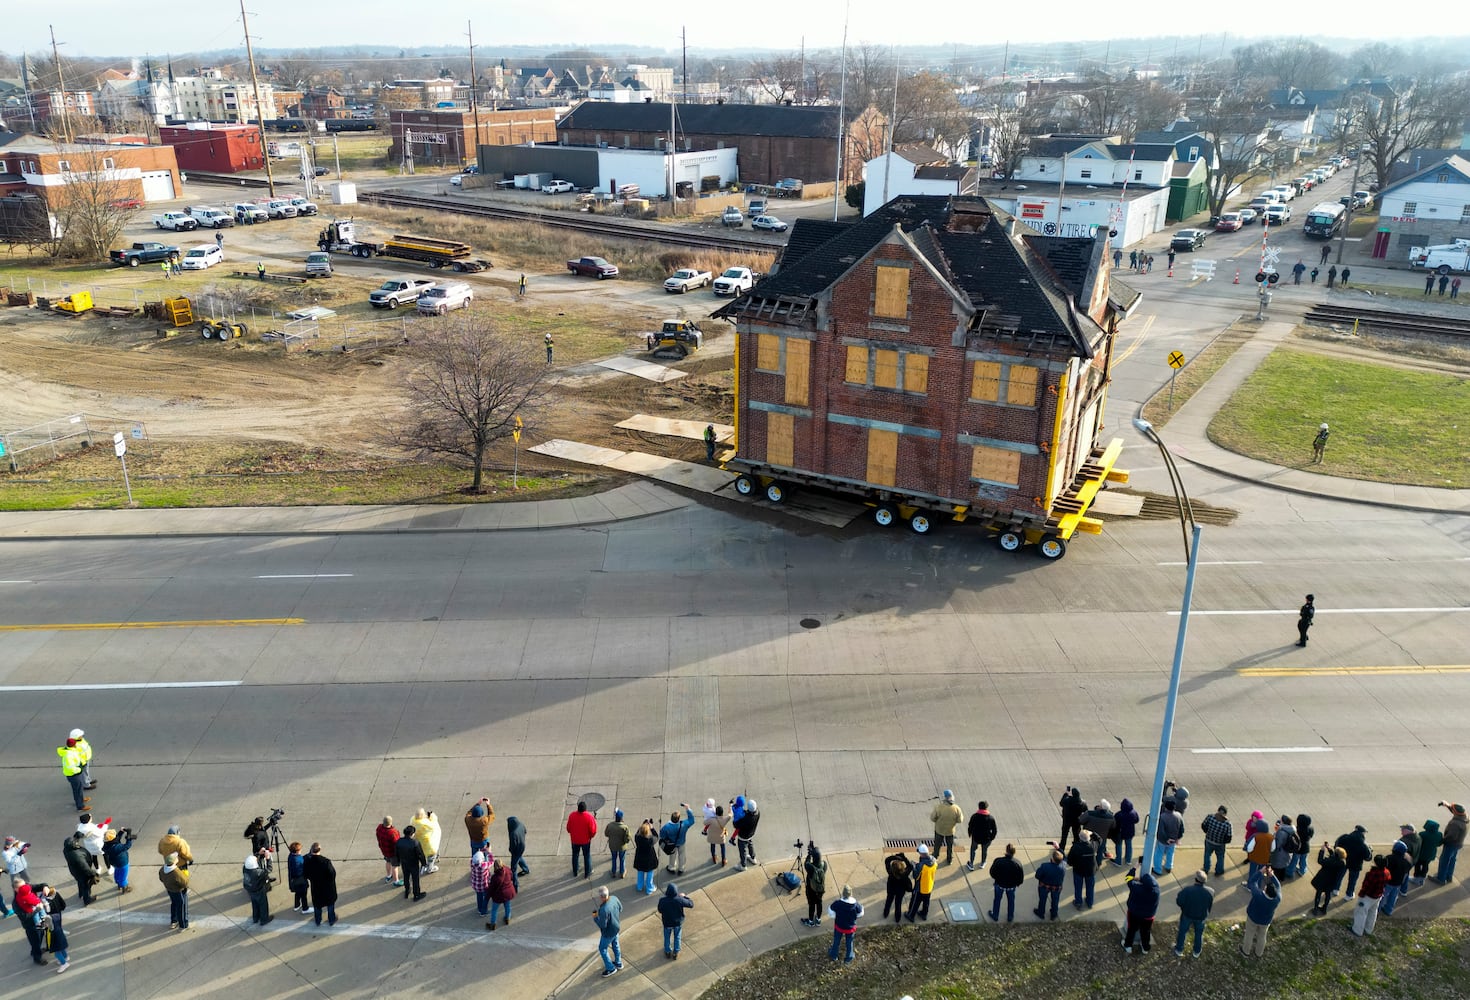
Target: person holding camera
column 255, row 879
column 671, row 914
column 676, row 832
column 1454, row 839
column 645, row 857
column 426, row 829
column 477, row 823
column 900, row 883
column 1072, row 808
column 816, row 885
column 258, row 833
column 14, row 857
column 115, row 852
column 745, row 816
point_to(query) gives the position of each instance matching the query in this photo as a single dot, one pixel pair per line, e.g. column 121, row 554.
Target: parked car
column 201, row 257
column 1229, row 223
column 732, row 216
column 442, row 298
column 248, row 213
column 457, row 180
column 593, row 267
column 1278, row 215
column 211, row 217
column 558, row 187
column 179, row 221
column 304, row 207
column 1188, row 240
column 396, row 292
column 686, row 278
column 1286, row 191
column 280, row 208
column 1364, row 199
column 318, row 264
column 769, row 222
column 1247, row 216
column 1303, row 183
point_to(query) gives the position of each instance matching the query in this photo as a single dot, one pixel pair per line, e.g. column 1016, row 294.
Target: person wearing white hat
column 86, row 750
column 924, row 872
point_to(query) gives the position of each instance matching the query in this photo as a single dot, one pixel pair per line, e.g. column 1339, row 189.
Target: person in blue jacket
column 675, row 831
column 1143, row 906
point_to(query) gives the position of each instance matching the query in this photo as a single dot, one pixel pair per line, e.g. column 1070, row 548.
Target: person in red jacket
column 502, row 891
column 388, row 848
column 581, row 828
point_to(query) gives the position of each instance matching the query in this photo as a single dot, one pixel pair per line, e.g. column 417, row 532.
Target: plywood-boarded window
column 891, row 292
column 996, row 465
column 768, row 352
column 857, row 365
column 778, row 439
column 985, row 381
column 885, row 369
column 1021, row 385
column 916, row 373
column 882, row 456
column 798, row 377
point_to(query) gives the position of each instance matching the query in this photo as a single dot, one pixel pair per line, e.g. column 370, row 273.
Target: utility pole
column 270, row 177
column 684, row 44
column 841, row 121
column 474, row 103
column 888, row 157
column 1347, row 216
column 61, row 87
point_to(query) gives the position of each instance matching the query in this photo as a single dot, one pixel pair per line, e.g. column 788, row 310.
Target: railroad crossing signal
column 1176, row 359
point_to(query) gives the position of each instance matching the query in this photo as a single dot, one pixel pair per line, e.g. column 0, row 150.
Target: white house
column 1078, row 211
column 1101, row 162
column 912, row 168
column 1426, row 208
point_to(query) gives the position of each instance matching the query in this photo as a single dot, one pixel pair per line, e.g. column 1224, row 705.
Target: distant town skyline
column 101, row 28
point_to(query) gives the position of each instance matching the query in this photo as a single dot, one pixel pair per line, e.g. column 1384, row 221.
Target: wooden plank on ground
column 692, row 429
column 641, row 368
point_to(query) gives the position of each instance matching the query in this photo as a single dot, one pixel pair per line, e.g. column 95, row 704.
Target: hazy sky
column 113, row 27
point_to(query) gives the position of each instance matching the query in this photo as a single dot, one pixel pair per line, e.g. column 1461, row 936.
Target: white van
column 203, row 256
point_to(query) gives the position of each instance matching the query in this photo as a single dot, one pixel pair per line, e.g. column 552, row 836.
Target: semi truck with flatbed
column 340, row 236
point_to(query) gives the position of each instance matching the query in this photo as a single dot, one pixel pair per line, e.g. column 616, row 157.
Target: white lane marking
column 17, row 581
column 1217, row 562
column 1336, row 611
column 142, row 686
column 402, row 932
column 302, row 576
column 1264, row 750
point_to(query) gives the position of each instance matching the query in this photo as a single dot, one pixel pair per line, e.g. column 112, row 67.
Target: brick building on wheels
column 938, row 362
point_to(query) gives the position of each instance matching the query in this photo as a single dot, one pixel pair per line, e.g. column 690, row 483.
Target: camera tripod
column 279, row 845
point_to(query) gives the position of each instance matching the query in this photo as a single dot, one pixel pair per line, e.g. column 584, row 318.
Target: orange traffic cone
column 1237, row 276
column 1171, row 271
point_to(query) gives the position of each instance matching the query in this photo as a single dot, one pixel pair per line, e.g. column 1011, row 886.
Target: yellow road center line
column 1450, row 668
column 205, row 623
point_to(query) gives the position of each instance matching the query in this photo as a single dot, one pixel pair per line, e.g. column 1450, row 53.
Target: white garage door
column 158, row 185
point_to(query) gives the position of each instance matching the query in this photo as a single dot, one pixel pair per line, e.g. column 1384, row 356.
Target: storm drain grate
column 906, row 843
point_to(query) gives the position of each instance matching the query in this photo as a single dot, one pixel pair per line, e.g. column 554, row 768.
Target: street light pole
column 1190, row 531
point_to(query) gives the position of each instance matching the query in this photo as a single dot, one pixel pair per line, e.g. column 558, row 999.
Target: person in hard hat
column 72, row 763
column 1319, row 445
column 86, row 750
column 548, row 348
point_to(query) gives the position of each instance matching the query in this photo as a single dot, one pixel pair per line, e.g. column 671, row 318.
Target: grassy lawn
column 1195, row 373
column 1388, row 424
column 1083, row 961
column 255, row 475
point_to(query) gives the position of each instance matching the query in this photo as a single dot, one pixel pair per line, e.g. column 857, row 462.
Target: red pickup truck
column 593, row 267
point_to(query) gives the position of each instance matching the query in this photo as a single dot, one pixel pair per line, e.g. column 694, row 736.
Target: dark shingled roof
column 942, row 172
column 1143, row 151
column 706, row 119
column 1030, row 278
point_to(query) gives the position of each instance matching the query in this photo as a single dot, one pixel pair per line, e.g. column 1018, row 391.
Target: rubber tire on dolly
column 921, row 522
column 885, row 515
column 1010, row 541
column 1052, row 548
column 745, row 486
column 776, row 492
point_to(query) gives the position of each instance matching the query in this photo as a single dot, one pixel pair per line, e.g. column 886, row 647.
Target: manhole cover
column 810, row 623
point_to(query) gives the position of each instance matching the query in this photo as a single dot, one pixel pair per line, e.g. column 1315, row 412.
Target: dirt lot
column 183, row 387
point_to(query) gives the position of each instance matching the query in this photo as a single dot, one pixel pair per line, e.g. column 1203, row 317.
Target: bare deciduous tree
column 1421, row 114
column 467, row 384
column 778, row 76
column 94, row 204
column 1232, row 117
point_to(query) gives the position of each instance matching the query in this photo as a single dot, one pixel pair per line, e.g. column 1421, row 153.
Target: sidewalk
column 1188, row 439
column 634, row 500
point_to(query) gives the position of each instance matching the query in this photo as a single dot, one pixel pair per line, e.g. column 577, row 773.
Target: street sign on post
column 1176, row 362
column 120, row 446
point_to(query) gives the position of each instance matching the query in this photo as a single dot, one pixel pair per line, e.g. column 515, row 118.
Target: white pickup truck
column 686, row 278
column 735, row 280
column 1442, row 259
column 212, row 217
column 177, row 221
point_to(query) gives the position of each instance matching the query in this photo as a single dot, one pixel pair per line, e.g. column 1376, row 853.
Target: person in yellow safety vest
column 72, row 763
column 168, row 272
column 88, row 782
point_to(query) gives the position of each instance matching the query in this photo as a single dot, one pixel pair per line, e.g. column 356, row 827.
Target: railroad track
column 1383, row 319
column 599, row 225
column 228, row 180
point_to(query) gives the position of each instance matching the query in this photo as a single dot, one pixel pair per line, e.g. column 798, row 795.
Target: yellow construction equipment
column 76, row 302
column 180, row 311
